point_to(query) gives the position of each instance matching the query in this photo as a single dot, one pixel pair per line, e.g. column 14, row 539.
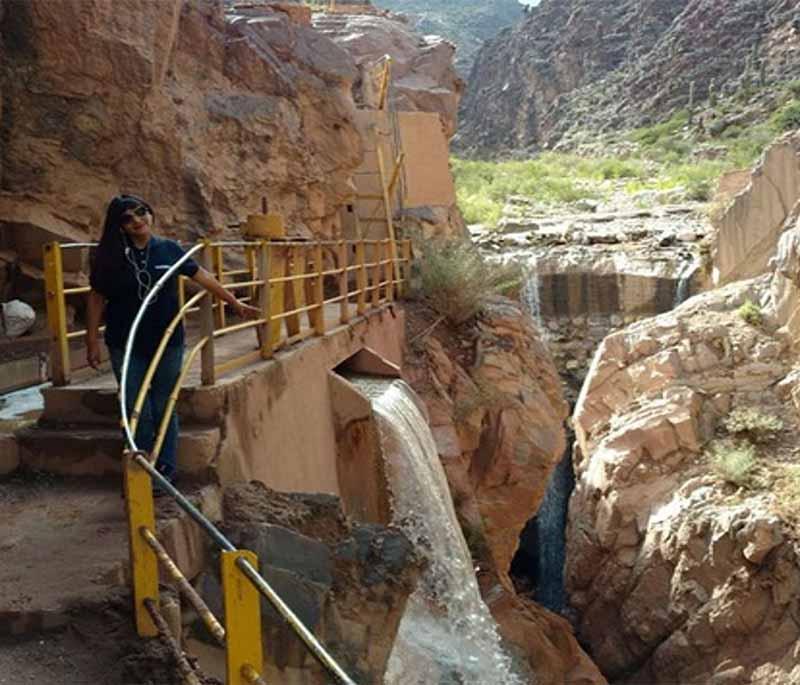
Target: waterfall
column 447, row 635
column 550, row 527
column 531, row 296
column 687, row 271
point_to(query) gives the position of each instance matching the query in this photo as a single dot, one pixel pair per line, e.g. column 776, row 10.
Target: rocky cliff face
column 497, row 411
column 748, row 230
column 423, row 76
column 347, row 582
column 466, row 23
column 680, row 570
column 597, row 65
column 592, row 273
column 676, row 576
column 201, row 112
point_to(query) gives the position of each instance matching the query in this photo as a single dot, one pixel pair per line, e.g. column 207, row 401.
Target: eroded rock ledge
column 676, row 576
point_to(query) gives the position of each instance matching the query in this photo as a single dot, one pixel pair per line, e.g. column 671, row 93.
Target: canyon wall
column 676, row 575
column 748, row 230
column 202, row 113
column 573, row 68
column 590, row 274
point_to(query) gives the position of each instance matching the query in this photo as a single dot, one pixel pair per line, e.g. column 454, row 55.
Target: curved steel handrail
column 308, row 638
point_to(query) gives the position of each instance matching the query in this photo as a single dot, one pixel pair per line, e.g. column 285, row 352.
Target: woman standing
column 129, row 261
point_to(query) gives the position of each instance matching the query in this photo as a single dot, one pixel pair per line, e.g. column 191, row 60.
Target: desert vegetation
column 678, row 159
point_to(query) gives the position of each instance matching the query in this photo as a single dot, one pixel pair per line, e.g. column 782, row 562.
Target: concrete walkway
column 226, row 348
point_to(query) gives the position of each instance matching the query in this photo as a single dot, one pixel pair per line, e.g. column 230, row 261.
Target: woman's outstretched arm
column 204, row 279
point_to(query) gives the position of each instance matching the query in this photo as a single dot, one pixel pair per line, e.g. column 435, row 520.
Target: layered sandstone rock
column 677, row 577
column 347, row 582
column 748, row 230
column 591, row 273
column 200, row 112
column 423, row 78
column 496, row 412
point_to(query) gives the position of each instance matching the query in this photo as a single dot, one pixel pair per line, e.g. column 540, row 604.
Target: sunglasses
column 140, row 211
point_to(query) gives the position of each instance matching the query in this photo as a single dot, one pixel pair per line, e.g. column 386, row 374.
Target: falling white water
column 685, row 274
column 447, row 635
column 531, row 297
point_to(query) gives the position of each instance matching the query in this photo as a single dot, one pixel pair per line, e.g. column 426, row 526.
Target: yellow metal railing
column 241, row 633
column 287, row 279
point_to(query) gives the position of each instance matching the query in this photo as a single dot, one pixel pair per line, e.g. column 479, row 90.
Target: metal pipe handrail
column 308, row 638
column 213, row 625
column 156, row 360
column 126, row 360
column 173, row 397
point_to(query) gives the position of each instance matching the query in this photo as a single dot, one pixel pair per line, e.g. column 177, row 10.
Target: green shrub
column 478, row 209
column 750, row 313
column 657, row 134
column 787, row 117
column 734, row 462
column 794, row 88
column 483, row 187
column 456, row 280
column 750, row 423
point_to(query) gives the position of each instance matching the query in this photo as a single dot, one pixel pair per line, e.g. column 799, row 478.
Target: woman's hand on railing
column 92, row 352
column 245, row 311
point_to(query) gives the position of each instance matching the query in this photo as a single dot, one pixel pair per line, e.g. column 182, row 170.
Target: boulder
column 423, row 78
column 347, row 582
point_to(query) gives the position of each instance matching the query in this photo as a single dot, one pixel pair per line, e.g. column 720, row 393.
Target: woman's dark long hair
column 110, row 267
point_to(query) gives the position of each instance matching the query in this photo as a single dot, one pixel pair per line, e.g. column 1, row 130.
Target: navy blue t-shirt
column 124, row 303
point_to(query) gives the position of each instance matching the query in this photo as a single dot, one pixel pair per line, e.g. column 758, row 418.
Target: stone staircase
column 79, row 434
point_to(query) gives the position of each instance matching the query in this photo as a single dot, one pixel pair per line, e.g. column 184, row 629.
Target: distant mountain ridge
column 467, row 23
column 598, row 65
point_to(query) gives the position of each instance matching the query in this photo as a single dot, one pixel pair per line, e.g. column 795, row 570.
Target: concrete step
column 97, row 404
column 97, row 451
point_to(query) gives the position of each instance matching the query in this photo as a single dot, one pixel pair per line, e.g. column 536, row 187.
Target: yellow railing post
column 384, row 91
column 250, row 257
column 406, row 271
column 265, row 298
column 242, row 619
column 144, row 562
column 279, row 268
column 219, row 268
column 388, row 269
column 377, row 256
column 344, row 305
column 297, row 288
column 56, row 314
column 207, row 374
column 361, row 277
column 319, row 291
